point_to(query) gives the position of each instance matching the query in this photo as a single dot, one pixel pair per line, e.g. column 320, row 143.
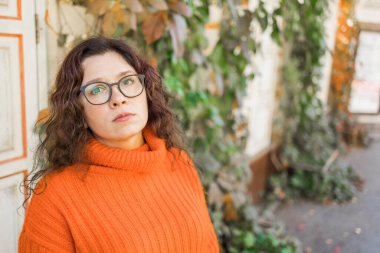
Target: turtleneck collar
column 142, row 159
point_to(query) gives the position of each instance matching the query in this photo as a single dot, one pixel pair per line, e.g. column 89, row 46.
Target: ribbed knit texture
column 139, row 201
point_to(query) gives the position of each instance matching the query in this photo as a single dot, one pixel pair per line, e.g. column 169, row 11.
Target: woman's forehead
column 105, row 67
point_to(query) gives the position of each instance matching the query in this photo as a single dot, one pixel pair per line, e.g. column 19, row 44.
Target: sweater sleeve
column 45, row 228
column 197, row 184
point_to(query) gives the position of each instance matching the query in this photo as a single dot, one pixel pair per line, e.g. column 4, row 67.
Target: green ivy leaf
column 249, row 240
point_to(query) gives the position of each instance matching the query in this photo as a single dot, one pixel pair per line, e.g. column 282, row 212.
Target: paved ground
column 349, row 228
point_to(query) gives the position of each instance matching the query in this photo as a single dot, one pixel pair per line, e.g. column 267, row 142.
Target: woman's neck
column 129, row 143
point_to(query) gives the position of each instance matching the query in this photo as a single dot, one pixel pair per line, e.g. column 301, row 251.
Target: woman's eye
column 96, row 90
column 127, row 81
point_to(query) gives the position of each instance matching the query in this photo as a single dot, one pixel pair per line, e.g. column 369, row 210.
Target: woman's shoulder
column 51, row 191
column 188, row 169
column 52, row 183
column 183, row 161
column 44, row 217
column 180, row 156
column 178, row 153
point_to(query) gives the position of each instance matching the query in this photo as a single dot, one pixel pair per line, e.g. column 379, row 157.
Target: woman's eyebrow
column 118, row 76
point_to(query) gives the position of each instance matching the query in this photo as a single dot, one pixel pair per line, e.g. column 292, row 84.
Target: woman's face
column 118, row 122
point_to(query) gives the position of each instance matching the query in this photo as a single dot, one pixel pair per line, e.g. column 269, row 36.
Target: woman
column 115, row 177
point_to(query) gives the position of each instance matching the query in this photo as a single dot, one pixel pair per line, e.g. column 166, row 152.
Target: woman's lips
column 123, row 117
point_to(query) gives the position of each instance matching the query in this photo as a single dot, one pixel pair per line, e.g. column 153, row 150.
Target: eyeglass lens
column 100, row 93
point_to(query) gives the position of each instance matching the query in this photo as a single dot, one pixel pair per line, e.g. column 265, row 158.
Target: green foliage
column 308, row 139
column 307, row 132
column 250, row 242
column 339, row 185
column 209, row 90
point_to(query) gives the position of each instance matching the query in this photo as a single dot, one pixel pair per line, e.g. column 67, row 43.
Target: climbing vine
column 310, row 142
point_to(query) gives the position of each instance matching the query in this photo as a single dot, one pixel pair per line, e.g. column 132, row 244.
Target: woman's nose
column 117, row 98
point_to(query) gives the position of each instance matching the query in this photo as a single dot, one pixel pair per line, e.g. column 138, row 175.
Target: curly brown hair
column 64, row 134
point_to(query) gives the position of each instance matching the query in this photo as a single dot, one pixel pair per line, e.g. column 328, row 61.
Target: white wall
column 260, row 101
column 331, row 25
column 367, row 11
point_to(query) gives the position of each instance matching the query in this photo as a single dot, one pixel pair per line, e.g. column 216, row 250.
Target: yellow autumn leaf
column 119, row 16
column 109, row 24
column 229, row 213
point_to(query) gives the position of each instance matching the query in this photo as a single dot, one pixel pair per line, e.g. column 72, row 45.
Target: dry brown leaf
column 301, row 226
column 109, row 24
column 336, row 249
column 215, row 195
column 308, row 250
column 119, row 16
column 226, row 181
column 153, row 27
column 327, row 201
column 230, row 213
column 158, row 4
column 141, row 16
column 98, row 7
column 118, row 12
column 278, row 191
column 130, row 21
column 133, row 5
column 181, row 8
column 116, row 7
column 177, row 28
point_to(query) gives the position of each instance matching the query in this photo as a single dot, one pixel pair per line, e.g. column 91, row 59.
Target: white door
column 18, row 112
column 365, row 88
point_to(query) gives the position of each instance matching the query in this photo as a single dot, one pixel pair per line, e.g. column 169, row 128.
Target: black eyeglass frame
column 140, row 77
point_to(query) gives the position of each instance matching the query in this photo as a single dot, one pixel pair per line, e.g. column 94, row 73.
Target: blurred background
column 279, row 101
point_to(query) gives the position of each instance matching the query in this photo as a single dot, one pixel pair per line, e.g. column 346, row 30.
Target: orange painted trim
column 19, row 13
column 22, row 97
column 12, row 159
column 25, row 173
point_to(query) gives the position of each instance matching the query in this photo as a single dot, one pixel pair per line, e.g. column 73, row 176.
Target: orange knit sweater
column 141, row 200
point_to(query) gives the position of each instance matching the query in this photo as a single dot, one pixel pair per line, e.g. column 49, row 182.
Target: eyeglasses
column 98, row 93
